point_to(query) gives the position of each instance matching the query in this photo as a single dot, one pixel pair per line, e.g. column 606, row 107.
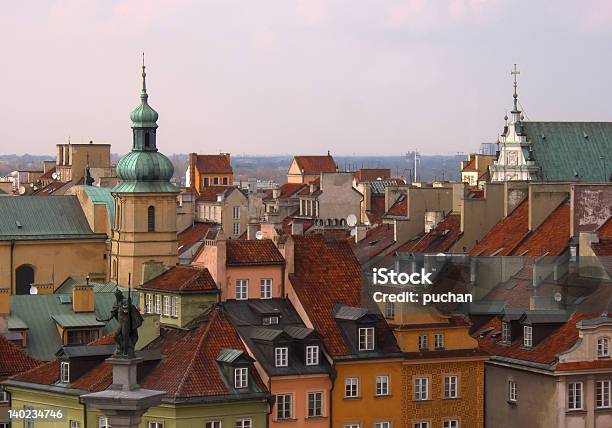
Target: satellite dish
column 259, row 235
column 22, row 190
column 558, row 297
column 33, row 290
column 54, row 176
column 351, row 220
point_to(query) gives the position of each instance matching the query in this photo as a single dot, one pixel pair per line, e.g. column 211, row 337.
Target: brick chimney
column 193, row 159
column 83, row 298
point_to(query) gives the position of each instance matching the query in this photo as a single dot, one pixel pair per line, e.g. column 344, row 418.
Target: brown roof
column 214, row 164
column 49, row 189
column 210, row 193
column 14, row 360
column 188, row 367
column 377, row 240
column 377, row 209
column 551, row 237
column 316, row 164
column 372, row 174
column 506, row 234
column 289, row 189
column 439, row 239
column 252, row 252
column 400, row 207
column 471, row 166
column 47, row 175
column 188, row 237
column 182, row 279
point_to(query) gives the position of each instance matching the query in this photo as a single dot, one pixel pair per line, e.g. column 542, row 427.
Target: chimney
column 360, row 232
column 297, row 228
column 252, row 231
column 276, row 193
column 193, row 158
column 5, row 308
column 312, row 188
column 83, row 298
column 227, row 155
column 151, row 269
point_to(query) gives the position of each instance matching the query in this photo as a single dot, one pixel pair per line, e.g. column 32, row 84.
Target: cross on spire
column 514, row 73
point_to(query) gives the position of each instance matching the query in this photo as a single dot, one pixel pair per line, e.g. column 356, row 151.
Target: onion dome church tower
column 144, row 227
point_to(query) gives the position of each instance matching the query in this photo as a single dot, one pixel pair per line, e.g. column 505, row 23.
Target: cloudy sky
column 289, row 76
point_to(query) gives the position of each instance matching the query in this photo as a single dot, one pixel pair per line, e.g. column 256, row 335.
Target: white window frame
column 103, row 422
column 575, row 396
column 284, row 407
column 382, row 385
column 383, row 424
column 73, row 424
column 451, row 387
column 390, row 310
column 602, row 394
column 366, row 338
column 265, row 288
column 166, row 306
column 174, row 306
column 527, row 336
column 65, row 372
column 421, row 424
column 156, row 424
column 270, row 320
column 423, row 342
column 603, row 347
column 351, row 426
column 421, row 388
column 213, row 424
column 244, row 423
column 157, row 306
column 236, row 228
column 148, row 303
column 241, row 377
column 450, row 423
column 317, row 398
column 439, row 341
column 512, row 391
column 351, row 387
column 312, row 355
column 242, row 289
column 506, row 332
column 281, row 356
column 236, row 213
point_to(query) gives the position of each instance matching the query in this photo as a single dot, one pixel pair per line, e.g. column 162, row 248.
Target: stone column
column 124, row 402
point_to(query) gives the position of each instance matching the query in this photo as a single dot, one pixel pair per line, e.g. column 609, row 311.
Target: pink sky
column 307, row 76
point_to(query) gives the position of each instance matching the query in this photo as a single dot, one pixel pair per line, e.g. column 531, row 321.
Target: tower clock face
column 512, row 158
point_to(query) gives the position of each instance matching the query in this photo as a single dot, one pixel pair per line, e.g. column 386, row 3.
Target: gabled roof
column 190, row 236
column 377, row 240
column 14, row 360
column 210, row 193
column 552, row 236
column 30, row 217
column 399, row 207
column 315, row 164
column 287, row 190
column 506, row 234
column 372, row 174
column 439, row 239
column 252, row 252
column 571, row 151
column 214, row 164
column 183, row 279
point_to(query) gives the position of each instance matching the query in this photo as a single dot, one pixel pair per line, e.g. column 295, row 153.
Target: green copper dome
column 144, row 169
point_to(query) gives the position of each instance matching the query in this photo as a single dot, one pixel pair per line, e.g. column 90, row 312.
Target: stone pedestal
column 124, row 402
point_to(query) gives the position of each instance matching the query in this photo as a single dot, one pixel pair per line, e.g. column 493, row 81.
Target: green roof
column 43, row 217
column 77, row 320
column 99, row 287
column 101, row 195
column 572, row 151
column 228, row 355
column 16, row 323
column 38, row 312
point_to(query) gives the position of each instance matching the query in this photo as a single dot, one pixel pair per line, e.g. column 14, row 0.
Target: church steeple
column 144, row 119
column 516, row 113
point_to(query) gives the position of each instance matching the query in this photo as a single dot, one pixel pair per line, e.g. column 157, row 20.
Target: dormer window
column 281, row 357
column 366, row 338
column 312, row 355
column 506, row 336
column 241, row 377
column 603, row 347
column 65, row 372
column 271, row 320
column 527, row 336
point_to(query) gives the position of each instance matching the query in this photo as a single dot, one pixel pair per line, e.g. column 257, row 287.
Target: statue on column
column 129, row 319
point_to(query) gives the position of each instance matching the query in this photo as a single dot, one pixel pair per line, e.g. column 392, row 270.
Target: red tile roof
column 440, row 239
column 551, row 237
column 471, row 166
column 210, row 193
column 45, row 374
column 377, row 240
column 14, row 360
column 252, row 252
column 214, row 164
column 506, row 234
column 190, row 236
column 372, row 174
column 290, row 189
column 399, row 208
column 47, row 175
column 605, row 230
column 182, row 279
column 316, row 164
column 585, row 365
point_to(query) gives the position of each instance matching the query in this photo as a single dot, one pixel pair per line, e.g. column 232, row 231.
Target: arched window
column 603, row 347
column 24, row 278
column 151, row 219
column 147, row 143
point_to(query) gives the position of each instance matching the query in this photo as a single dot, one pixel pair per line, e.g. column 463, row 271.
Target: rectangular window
column 527, row 336
column 602, row 394
column 351, row 387
column 166, row 306
column 149, row 303
column 175, row 306
column 283, row 406
column 81, row 337
column 382, row 425
column 512, row 391
column 65, row 372
column 213, row 424
column 450, row 387
column 103, row 422
column 236, row 228
column 382, row 385
column 242, row 289
column 74, row 424
column 206, row 182
column 315, row 404
column 423, row 342
column 271, row 320
column 312, row 355
column 351, row 426
column 422, row 424
column 366, row 338
column 235, row 213
column 3, row 395
column 156, row 424
column 244, row 423
column 265, row 288
column 390, row 310
column 439, row 341
column 421, row 388
column 281, row 357
column 603, row 347
column 215, row 180
column 451, row 423
column 506, row 332
column 241, row 377
column 224, row 181
column 158, row 304
column 574, row 396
